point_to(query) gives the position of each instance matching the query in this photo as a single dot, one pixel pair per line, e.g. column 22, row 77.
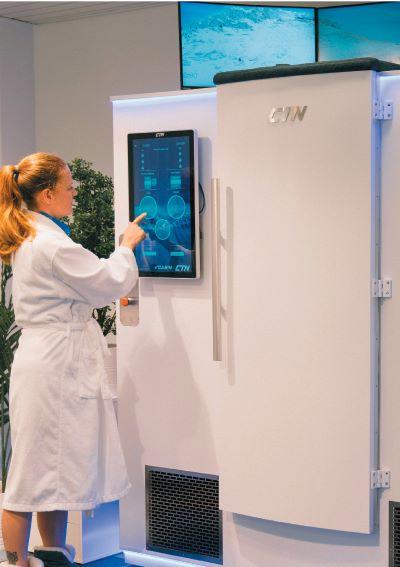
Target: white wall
column 80, row 64
column 17, row 102
column 17, row 110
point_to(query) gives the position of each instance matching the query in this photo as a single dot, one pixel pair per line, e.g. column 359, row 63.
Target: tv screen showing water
column 162, row 184
column 370, row 30
column 222, row 37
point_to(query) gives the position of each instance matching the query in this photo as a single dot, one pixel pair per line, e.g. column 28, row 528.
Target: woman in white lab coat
column 66, row 452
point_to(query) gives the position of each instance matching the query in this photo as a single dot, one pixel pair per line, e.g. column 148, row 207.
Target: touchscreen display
column 162, row 184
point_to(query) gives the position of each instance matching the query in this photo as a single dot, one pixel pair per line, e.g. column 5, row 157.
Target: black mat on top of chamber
column 341, row 66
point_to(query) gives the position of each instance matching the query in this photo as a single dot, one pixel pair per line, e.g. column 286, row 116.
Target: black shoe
column 55, row 556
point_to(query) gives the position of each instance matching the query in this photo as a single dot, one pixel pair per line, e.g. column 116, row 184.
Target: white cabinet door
column 297, row 424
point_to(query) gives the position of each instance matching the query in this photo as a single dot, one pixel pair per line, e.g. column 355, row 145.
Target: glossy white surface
column 297, row 420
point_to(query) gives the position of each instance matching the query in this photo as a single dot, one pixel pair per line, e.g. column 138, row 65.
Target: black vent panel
column 182, row 514
column 394, row 534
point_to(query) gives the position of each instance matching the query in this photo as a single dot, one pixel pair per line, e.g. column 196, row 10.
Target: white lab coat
column 66, row 448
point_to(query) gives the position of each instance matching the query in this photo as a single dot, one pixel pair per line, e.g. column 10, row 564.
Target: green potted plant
column 9, row 337
column 92, row 223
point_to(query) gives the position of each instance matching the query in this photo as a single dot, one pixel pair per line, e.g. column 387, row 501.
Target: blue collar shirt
column 61, row 224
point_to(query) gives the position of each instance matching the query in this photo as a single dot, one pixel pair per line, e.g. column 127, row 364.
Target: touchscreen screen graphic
column 161, row 172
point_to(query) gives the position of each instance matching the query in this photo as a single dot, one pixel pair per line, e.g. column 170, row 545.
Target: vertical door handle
column 216, row 269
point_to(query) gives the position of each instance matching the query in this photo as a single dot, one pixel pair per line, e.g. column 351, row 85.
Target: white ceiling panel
column 51, row 12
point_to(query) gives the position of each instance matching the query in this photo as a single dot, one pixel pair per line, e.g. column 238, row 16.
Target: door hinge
column 380, row 479
column 382, row 288
column 383, row 110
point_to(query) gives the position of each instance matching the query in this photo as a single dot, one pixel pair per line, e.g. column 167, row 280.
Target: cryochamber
column 274, row 374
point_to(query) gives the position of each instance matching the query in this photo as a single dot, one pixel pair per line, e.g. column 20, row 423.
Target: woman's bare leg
column 16, row 527
column 53, row 527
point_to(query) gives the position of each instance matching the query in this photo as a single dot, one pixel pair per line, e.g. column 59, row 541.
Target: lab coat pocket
column 89, row 374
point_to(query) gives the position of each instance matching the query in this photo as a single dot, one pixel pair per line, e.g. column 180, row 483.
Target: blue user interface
column 163, row 188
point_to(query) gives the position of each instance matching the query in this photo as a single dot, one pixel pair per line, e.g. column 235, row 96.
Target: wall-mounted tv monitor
column 163, row 182
column 229, row 37
column 367, row 30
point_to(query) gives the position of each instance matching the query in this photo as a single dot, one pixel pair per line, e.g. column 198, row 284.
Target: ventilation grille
column 394, row 534
column 182, row 514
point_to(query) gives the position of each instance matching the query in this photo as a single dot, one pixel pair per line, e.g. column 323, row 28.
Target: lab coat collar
column 44, row 223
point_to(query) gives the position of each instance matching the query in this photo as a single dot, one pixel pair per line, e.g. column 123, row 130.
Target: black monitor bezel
column 183, row 87
column 131, row 189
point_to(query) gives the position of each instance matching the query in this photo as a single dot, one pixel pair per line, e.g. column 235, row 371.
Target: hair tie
column 15, row 175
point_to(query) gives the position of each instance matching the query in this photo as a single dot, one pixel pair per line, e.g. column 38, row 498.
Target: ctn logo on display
column 282, row 114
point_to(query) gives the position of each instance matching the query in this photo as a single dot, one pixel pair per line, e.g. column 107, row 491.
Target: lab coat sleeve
column 98, row 281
